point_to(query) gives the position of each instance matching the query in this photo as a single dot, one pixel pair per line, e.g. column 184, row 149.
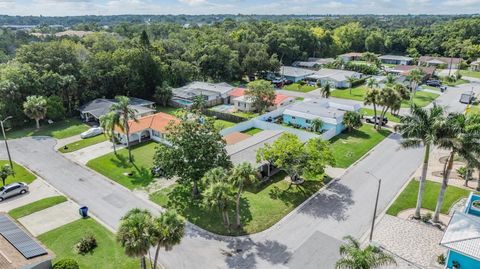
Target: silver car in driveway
column 13, row 189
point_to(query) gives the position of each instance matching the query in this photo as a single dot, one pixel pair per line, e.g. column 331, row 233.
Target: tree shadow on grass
column 120, row 160
column 345, row 135
column 295, row 194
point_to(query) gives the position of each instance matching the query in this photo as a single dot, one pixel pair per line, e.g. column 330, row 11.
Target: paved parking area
column 84, row 155
column 50, row 218
column 38, row 189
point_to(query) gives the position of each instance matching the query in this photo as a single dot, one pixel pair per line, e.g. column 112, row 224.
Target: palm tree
column 133, row 234
column 167, row 231
column 371, row 98
column 390, row 78
column 372, row 83
column 242, row 175
column 326, row 90
column 125, row 113
column 415, row 77
column 352, row 120
column 417, row 129
column 35, row 107
column 460, row 135
column 351, row 80
column 316, row 125
column 108, row 122
column 354, row 257
column 219, row 192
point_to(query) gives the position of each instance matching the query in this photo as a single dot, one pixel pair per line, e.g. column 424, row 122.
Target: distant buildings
column 395, row 59
column 336, row 77
column 405, row 70
column 440, row 62
column 295, row 74
column 352, row 56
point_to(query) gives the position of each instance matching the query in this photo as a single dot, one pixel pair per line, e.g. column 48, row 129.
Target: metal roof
column 197, row 88
column 333, row 74
column 395, row 57
column 296, row 72
column 19, row 239
column 463, row 234
column 329, row 112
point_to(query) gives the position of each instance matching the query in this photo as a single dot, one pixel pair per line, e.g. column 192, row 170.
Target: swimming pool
column 182, row 102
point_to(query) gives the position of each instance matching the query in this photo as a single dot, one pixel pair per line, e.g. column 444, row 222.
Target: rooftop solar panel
column 20, row 240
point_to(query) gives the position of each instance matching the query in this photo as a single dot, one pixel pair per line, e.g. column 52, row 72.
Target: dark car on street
column 433, row 83
column 372, row 120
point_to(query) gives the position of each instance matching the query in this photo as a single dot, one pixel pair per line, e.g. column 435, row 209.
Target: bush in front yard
column 86, row 244
column 66, row 264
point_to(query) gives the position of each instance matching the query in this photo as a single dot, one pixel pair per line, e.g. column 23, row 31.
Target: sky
column 116, row 7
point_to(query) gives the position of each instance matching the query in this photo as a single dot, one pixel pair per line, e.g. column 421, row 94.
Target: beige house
column 244, row 103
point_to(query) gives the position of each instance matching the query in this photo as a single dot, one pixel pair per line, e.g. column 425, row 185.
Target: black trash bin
column 83, row 211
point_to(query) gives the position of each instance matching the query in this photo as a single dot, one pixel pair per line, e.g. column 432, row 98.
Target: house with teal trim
column 462, row 236
column 302, row 114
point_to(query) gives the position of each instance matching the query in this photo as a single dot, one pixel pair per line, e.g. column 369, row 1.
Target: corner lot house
column 19, row 249
column 243, row 102
column 441, row 62
column 351, row 56
column 295, row 74
column 93, row 110
column 213, row 93
column 475, row 65
column 149, row 127
column 462, row 236
column 337, row 78
column 395, row 59
column 330, row 113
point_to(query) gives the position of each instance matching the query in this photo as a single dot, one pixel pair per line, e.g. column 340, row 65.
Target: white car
column 92, row 132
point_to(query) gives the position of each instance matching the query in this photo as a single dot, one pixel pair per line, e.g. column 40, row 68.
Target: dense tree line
column 141, row 59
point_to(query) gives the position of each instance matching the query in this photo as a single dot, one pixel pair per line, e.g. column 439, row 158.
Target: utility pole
column 6, row 143
column 376, row 204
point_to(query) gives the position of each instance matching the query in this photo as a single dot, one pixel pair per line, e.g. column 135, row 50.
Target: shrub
column 302, row 82
column 441, row 259
column 55, row 109
column 66, row 264
column 86, row 244
column 427, row 217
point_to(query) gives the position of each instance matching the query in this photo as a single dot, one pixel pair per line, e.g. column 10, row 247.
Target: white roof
column 463, row 234
column 246, row 150
column 291, row 71
column 244, row 98
column 395, row 57
column 328, row 112
column 203, row 88
column 334, row 74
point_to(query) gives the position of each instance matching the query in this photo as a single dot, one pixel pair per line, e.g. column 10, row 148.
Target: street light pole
column 6, row 143
column 376, row 204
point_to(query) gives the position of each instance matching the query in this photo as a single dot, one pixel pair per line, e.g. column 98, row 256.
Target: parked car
column 92, row 132
column 13, row 189
column 434, row 83
column 372, row 120
column 466, row 98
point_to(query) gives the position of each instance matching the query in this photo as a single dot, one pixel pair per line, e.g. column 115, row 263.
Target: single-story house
column 462, row 236
column 321, row 61
column 243, row 102
column 396, row 59
column 294, row 74
column 308, row 65
column 443, row 62
column 351, row 56
column 336, row 77
column 149, row 127
column 404, row 70
column 330, row 113
column 213, row 93
column 475, row 65
column 19, row 249
column 93, row 110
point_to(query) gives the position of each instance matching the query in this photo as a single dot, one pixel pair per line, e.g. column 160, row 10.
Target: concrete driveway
column 38, row 190
column 84, row 155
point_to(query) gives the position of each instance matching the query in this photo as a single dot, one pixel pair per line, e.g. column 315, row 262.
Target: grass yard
column 296, row 87
column 370, row 112
column 474, row 109
column 470, row 73
column 421, row 99
column 168, row 109
column 21, row 174
column 349, row 147
column 223, row 124
column 107, row 255
column 408, row 198
column 83, row 143
column 119, row 169
column 456, row 83
column 36, row 206
column 358, row 93
column 431, row 88
column 252, row 131
column 59, row 130
column 247, row 115
column 261, row 206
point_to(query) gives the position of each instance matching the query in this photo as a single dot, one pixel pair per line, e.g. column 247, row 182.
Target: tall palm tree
column 351, row 80
column 133, row 234
column 35, row 107
column 316, row 125
column 415, row 77
column 354, row 257
column 460, row 135
column 372, row 83
column 419, row 128
column 125, row 113
column 372, row 97
column 242, row 175
column 326, row 90
column 167, row 231
column 108, row 123
column 219, row 192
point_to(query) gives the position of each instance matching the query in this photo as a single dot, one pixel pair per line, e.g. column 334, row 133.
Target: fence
column 224, row 116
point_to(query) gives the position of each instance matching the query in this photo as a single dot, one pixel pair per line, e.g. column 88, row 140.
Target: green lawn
column 261, row 206
column 470, row 73
column 107, row 255
column 59, row 130
column 36, row 206
column 252, row 131
column 247, row 115
column 168, row 109
column 421, row 99
column 360, row 62
column 118, row 168
column 223, row 124
column 431, row 88
column 21, row 174
column 349, row 147
column 474, row 109
column 80, row 144
column 358, row 93
column 408, row 198
column 370, row 112
column 296, row 87
column 457, row 82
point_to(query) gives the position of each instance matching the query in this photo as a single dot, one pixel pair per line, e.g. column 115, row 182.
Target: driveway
column 84, row 155
column 38, row 190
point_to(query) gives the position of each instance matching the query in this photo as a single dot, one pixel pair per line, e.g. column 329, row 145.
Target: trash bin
column 83, row 211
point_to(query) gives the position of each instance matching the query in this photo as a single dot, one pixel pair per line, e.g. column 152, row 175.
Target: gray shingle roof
column 202, row 88
column 296, row 72
column 101, row 106
column 395, row 57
